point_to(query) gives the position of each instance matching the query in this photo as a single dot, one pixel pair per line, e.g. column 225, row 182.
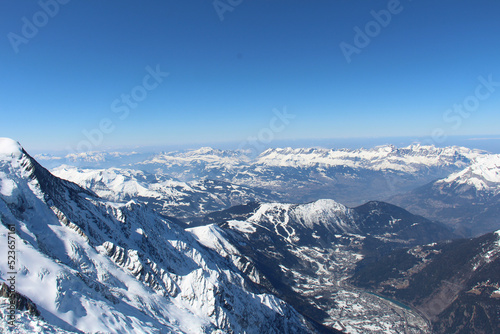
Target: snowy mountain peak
column 10, row 147
column 206, row 150
column 15, row 164
column 293, row 222
column 483, row 174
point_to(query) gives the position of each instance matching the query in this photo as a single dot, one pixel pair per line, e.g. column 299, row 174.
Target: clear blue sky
column 226, row 76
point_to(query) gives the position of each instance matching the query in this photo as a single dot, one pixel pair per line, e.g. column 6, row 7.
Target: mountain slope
column 455, row 284
column 91, row 265
column 305, row 253
column 468, row 200
column 168, row 196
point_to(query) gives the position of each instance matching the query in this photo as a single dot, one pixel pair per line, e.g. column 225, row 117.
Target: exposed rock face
column 21, row 302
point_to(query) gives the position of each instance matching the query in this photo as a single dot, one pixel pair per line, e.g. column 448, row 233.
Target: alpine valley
column 313, row 240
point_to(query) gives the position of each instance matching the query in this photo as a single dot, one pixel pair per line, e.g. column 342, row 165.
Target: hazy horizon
column 486, row 143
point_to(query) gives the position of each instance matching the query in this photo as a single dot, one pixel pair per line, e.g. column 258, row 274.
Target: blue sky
column 232, row 68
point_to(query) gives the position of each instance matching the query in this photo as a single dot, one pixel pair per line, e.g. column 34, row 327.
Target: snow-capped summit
column 114, row 184
column 206, row 150
column 483, row 175
column 294, row 221
column 468, row 199
column 10, row 147
column 204, row 154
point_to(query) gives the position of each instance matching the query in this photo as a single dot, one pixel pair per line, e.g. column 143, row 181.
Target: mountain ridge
column 455, row 284
column 468, row 200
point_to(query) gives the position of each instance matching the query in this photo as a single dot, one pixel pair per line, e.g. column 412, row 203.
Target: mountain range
column 162, row 193
column 211, row 241
column 454, row 185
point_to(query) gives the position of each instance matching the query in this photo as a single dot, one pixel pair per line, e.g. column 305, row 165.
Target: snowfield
column 483, row 174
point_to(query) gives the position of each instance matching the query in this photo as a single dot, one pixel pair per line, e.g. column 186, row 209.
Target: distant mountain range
column 351, row 177
column 454, row 185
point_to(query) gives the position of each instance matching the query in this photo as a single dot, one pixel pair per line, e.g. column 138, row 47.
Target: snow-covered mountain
column 411, row 159
column 168, row 196
column 101, row 254
column 468, row 200
column 205, row 156
column 96, row 266
column 481, row 178
column 305, row 253
column 351, row 177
